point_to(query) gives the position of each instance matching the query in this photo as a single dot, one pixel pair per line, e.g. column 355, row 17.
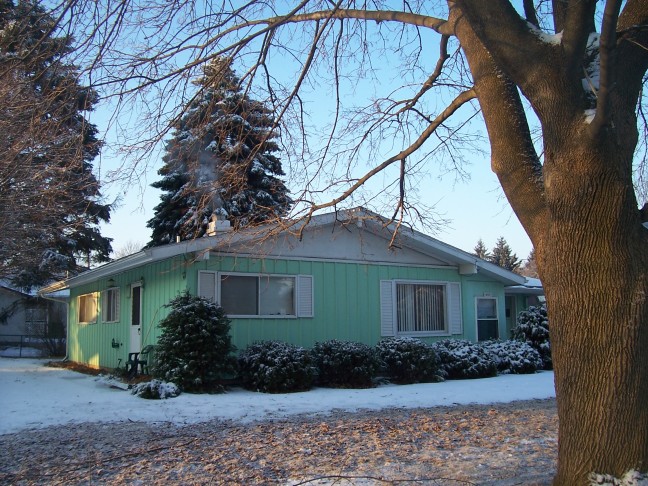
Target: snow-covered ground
column 34, row 396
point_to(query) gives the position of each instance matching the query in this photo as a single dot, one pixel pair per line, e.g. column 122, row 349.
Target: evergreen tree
column 503, row 256
column 220, row 162
column 530, row 268
column 51, row 204
column 481, row 251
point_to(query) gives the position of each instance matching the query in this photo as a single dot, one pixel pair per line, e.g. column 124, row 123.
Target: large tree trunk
column 594, row 271
column 580, row 211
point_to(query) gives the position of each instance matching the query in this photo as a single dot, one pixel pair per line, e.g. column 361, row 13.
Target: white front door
column 136, row 318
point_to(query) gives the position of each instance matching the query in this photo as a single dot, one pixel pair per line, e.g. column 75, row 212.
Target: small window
column 487, row 322
column 257, row 295
column 421, row 308
column 110, row 305
column 87, row 305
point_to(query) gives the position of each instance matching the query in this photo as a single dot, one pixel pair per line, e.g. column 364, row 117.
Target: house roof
column 276, row 241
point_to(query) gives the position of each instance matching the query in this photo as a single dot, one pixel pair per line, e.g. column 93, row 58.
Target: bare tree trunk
column 594, row 275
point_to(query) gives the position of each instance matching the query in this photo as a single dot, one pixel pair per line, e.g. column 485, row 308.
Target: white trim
column 305, row 294
column 212, row 291
column 387, row 308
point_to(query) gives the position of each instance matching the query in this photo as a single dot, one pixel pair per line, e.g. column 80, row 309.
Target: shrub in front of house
column 408, row 360
column 461, row 359
column 533, row 328
column 155, row 390
column 345, row 364
column 195, row 348
column 276, row 367
column 513, row 356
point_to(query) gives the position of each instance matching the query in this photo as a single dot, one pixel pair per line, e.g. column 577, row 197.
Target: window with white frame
column 87, row 308
column 421, row 308
column 243, row 295
column 110, row 305
column 487, row 321
column 257, row 295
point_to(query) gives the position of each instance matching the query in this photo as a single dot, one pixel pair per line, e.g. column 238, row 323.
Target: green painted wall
column 346, row 303
column 92, row 343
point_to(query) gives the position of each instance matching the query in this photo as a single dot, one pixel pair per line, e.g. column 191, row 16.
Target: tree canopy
column 221, row 162
column 51, row 205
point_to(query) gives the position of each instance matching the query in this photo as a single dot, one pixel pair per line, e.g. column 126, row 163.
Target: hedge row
column 277, row 367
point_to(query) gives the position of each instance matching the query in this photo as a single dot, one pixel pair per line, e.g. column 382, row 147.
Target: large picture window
column 421, row 308
column 110, row 305
column 257, row 295
column 87, row 308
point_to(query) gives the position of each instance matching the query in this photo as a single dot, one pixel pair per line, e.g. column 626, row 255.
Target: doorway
column 136, row 318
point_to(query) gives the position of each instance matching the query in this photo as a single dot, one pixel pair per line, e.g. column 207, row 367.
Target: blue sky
column 473, row 209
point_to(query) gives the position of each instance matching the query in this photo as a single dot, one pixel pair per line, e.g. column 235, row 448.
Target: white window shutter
column 104, row 305
column 117, row 303
column 387, row 318
column 207, row 285
column 454, row 308
column 305, row 296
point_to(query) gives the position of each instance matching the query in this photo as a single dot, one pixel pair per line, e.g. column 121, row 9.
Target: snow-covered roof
column 7, row 285
column 270, row 241
column 531, row 286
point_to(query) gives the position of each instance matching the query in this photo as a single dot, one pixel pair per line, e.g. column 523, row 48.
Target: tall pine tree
column 220, row 162
column 51, row 203
column 503, row 256
column 481, row 251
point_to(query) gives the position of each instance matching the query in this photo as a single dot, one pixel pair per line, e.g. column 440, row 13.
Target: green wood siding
column 346, row 303
column 92, row 343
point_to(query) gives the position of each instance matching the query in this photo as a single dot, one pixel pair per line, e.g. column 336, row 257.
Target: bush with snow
column 276, row 367
column 513, row 356
column 462, row 359
column 533, row 328
column 195, row 348
column 344, row 364
column 155, row 390
column 408, row 360
column 631, row 478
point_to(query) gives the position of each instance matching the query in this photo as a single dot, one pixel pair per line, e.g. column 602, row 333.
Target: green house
column 345, row 275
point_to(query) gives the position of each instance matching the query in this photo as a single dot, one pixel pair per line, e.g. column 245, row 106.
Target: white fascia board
column 112, row 268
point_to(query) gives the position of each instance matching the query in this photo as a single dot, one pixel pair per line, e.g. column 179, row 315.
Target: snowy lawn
column 34, row 396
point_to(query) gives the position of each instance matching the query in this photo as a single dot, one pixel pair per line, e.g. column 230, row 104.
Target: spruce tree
column 530, row 268
column 503, row 256
column 219, row 162
column 481, row 251
column 51, row 203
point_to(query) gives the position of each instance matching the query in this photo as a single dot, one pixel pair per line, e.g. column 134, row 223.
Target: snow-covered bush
column 463, row 359
column 276, row 367
column 631, row 478
column 513, row 356
column 195, row 348
column 344, row 364
column 408, row 360
column 533, row 328
column 155, row 390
